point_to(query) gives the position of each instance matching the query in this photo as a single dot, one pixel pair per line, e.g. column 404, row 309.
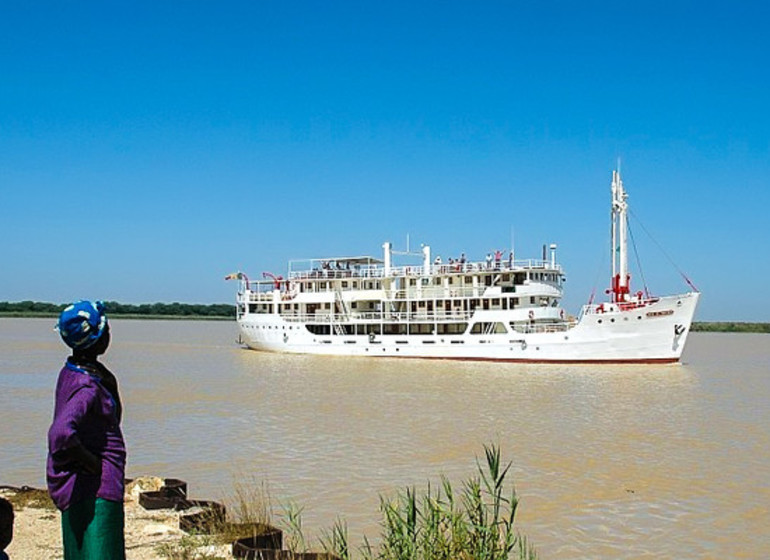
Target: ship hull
column 653, row 333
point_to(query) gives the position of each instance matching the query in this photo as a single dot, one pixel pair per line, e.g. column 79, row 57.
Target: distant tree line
column 731, row 326
column 114, row 308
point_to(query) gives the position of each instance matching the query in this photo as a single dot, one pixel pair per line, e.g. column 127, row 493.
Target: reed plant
column 478, row 524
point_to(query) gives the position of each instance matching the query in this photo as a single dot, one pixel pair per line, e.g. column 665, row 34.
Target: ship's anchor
column 678, row 329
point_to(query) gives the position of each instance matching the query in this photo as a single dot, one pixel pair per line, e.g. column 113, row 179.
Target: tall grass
column 478, row 524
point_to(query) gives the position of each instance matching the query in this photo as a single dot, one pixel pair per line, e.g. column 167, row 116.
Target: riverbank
column 697, row 326
column 172, row 311
column 149, row 534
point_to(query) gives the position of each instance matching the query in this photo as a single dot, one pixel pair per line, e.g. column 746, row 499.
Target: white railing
column 376, row 317
column 560, row 326
column 434, row 269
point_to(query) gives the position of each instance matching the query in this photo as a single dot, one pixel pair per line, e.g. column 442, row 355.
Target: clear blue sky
column 149, row 148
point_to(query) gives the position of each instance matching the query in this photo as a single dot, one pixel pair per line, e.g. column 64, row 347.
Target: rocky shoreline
column 37, row 526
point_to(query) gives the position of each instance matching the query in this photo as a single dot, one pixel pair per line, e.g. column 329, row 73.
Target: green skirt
column 92, row 529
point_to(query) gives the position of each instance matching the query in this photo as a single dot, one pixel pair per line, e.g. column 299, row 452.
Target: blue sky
column 149, row 148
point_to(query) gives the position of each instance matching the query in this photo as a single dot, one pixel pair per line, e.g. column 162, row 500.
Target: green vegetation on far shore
column 125, row 310
column 730, row 327
column 225, row 311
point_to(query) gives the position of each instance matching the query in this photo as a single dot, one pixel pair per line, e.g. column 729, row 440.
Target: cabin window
column 488, row 328
column 451, row 328
column 344, row 284
column 515, row 302
column 394, row 329
column 318, row 329
column 532, row 300
column 354, row 305
column 327, row 306
column 421, row 328
column 495, row 301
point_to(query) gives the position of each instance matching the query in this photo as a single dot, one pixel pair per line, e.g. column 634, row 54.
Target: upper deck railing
column 375, row 271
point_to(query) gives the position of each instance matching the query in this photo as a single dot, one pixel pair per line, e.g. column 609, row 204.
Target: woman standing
column 86, row 451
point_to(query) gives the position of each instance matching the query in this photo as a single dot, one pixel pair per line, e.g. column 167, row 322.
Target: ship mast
column 621, row 279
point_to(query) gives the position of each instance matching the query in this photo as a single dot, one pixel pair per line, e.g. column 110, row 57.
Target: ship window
column 353, row 305
column 318, row 329
column 532, row 300
column 495, row 301
column 393, row 329
column 344, row 284
column 488, row 328
column 421, row 328
column 515, row 302
column 451, row 328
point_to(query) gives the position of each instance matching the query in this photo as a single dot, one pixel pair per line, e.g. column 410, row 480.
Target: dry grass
column 25, row 497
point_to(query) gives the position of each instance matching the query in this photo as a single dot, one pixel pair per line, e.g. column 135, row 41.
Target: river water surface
column 608, row 462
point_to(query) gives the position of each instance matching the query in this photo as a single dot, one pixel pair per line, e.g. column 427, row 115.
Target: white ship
column 497, row 309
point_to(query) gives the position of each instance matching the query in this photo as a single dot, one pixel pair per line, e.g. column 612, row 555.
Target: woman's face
column 100, row 346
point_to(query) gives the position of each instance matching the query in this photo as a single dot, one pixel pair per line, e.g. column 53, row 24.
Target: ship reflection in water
column 609, row 461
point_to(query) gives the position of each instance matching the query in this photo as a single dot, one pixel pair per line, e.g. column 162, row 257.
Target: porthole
column 599, row 321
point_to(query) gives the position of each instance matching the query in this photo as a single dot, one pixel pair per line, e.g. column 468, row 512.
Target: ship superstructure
column 498, row 308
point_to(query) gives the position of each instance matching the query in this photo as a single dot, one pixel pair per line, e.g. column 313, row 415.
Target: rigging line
column 638, row 262
column 596, row 277
column 665, row 254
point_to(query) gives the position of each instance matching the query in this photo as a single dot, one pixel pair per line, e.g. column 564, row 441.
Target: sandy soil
column 37, row 531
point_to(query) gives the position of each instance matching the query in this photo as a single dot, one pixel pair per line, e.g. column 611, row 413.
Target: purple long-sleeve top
column 86, row 413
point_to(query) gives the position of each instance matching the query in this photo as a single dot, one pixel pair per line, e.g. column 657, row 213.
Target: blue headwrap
column 82, row 323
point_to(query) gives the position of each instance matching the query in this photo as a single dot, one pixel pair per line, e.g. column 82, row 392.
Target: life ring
column 531, row 315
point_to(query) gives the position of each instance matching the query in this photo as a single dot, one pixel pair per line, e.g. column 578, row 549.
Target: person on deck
column 86, row 450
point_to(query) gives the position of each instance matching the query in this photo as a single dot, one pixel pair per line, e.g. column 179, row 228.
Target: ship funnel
column 387, row 247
